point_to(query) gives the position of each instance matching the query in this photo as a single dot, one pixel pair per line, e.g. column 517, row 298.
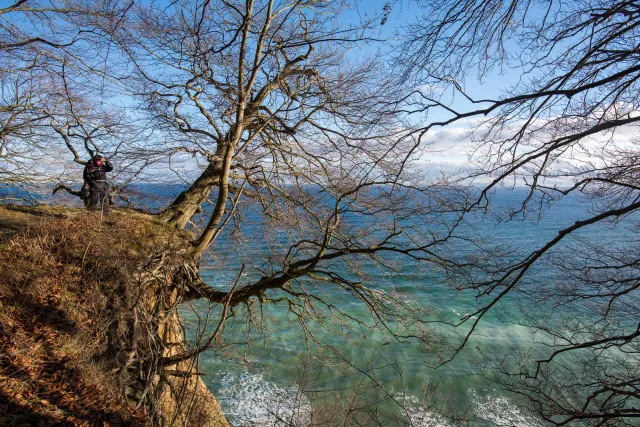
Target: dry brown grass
column 66, row 276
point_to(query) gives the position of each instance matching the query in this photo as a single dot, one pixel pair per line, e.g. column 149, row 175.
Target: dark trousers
column 99, row 196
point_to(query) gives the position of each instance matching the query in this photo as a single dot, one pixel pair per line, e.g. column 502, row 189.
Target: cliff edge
column 89, row 329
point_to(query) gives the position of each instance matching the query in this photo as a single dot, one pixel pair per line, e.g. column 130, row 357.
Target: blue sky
column 450, row 144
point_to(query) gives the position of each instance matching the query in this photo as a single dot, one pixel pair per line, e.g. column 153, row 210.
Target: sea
column 274, row 370
column 273, row 366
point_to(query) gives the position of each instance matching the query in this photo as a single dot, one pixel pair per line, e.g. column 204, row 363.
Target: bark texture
column 185, row 206
column 194, row 405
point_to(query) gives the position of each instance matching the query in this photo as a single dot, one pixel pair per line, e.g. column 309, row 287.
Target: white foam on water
column 456, row 312
column 422, row 417
column 250, row 400
column 284, row 343
column 418, row 414
column 459, row 314
column 501, row 411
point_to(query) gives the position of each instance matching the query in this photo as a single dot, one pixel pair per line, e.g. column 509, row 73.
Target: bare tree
column 23, row 84
column 55, row 99
column 567, row 127
column 296, row 150
column 287, row 124
column 292, row 129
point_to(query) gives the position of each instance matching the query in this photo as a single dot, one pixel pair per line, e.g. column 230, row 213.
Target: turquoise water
column 276, row 368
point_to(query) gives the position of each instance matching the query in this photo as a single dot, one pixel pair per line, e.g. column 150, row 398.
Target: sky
column 449, row 146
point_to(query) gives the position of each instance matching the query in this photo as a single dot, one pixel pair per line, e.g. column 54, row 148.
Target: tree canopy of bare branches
column 266, row 96
column 567, row 126
column 56, row 99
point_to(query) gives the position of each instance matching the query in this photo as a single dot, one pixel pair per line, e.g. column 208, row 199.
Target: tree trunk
column 193, row 405
column 189, row 201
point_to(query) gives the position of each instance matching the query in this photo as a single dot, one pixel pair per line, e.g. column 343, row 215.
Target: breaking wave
column 249, row 399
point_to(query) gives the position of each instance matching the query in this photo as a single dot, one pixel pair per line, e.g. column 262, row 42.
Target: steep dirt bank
column 88, row 318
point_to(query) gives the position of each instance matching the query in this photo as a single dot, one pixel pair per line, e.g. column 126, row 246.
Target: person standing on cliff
column 95, row 177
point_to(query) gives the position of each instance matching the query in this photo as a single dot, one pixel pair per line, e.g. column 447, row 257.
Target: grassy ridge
column 67, row 278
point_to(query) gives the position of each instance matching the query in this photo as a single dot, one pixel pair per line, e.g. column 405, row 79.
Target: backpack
column 94, row 172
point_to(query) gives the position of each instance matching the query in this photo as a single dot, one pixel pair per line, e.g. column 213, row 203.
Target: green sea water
column 280, row 371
